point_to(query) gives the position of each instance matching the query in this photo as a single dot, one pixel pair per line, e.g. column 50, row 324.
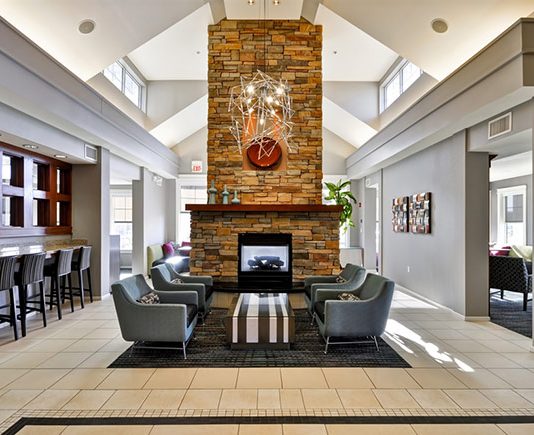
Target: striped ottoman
column 260, row 320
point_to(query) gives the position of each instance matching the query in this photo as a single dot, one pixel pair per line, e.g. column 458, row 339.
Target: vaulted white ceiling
column 349, row 54
column 121, row 26
column 405, row 27
column 167, row 41
column 178, row 53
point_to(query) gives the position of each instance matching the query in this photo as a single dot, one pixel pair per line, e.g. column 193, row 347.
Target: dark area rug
column 209, row 349
column 508, row 312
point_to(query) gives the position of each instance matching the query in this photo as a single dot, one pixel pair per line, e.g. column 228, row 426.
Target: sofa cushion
column 524, row 252
column 319, row 310
column 192, row 311
column 168, row 249
column 150, row 298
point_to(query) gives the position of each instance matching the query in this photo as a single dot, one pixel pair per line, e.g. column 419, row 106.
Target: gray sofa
column 163, row 274
column 354, row 276
column 173, row 320
column 366, row 317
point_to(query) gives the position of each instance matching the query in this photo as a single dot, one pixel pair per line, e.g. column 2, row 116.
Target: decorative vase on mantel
column 212, row 191
column 235, row 199
column 225, row 194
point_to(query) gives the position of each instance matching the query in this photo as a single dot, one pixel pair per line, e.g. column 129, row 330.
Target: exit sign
column 196, row 166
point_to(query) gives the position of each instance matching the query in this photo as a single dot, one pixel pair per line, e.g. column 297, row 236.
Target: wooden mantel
column 285, row 208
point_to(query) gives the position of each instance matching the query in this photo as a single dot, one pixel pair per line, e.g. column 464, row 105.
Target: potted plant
column 340, row 193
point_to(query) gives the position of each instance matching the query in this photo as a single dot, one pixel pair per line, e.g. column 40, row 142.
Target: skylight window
column 398, row 82
column 126, row 82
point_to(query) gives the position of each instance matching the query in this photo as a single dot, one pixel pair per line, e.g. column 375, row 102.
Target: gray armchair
column 163, row 274
column 354, row 276
column 366, row 317
column 173, row 320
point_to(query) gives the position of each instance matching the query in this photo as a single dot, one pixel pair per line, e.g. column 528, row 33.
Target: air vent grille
column 500, row 126
column 91, row 153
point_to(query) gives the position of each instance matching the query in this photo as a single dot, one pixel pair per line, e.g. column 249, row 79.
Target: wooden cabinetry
column 35, row 192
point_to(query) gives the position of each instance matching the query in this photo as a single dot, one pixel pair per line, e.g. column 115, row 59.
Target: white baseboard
column 443, row 307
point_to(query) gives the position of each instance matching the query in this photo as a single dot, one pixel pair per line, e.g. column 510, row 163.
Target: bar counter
column 49, row 247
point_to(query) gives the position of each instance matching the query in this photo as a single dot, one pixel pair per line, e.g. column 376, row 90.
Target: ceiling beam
column 309, row 9
column 218, row 10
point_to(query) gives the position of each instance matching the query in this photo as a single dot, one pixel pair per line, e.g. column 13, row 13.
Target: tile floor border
column 132, row 420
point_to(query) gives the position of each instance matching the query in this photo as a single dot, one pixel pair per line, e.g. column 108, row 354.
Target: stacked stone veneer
column 315, row 240
column 293, row 48
column 236, row 48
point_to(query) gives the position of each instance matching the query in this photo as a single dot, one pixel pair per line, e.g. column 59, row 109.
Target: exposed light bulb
column 249, row 101
column 279, row 91
column 262, row 121
column 273, row 112
column 269, row 99
column 250, row 110
column 250, row 89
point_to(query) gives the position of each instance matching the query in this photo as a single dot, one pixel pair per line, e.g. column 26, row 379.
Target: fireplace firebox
column 264, row 260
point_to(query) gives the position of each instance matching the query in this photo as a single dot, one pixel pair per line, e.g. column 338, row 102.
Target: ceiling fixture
column 30, row 146
column 251, row 2
column 439, row 25
column 276, row 2
column 261, row 113
column 60, row 156
column 86, row 27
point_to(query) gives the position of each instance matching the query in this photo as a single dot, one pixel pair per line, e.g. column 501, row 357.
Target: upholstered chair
column 366, row 317
column 164, row 275
column 352, row 275
column 173, row 320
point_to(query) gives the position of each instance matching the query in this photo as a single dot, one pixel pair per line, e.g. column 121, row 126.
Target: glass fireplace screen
column 264, row 258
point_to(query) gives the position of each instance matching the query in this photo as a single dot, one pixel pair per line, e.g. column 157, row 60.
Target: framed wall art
column 400, row 214
column 420, row 206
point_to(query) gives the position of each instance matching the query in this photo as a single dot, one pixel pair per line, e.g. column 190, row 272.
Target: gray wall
column 437, row 261
column 335, row 153
column 511, row 182
column 194, row 147
column 358, row 98
column 153, row 216
column 91, row 216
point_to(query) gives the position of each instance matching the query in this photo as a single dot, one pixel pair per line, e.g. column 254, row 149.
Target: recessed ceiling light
column 439, row 25
column 335, row 52
column 198, row 51
column 86, row 27
column 60, row 156
column 30, row 146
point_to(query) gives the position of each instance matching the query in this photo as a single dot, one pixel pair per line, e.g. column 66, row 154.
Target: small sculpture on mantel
column 212, row 193
column 225, row 194
column 235, row 199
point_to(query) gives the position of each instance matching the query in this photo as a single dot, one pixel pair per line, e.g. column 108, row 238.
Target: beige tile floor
column 459, row 368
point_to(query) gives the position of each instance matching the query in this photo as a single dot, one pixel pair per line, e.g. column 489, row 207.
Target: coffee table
column 260, row 321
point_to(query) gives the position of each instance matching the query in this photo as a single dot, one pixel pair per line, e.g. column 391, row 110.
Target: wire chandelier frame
column 261, row 111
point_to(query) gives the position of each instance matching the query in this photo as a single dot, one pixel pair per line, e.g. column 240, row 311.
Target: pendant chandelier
column 261, row 112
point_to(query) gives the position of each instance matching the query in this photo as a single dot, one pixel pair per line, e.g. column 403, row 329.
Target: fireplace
column 264, row 260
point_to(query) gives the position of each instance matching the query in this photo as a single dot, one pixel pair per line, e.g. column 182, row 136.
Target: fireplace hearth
column 264, row 260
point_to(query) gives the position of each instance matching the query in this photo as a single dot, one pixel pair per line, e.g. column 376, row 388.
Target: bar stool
column 7, row 282
column 31, row 272
column 59, row 272
column 81, row 264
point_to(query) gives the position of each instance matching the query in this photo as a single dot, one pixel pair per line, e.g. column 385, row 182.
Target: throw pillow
column 524, row 252
column 149, row 299
column 168, row 249
column 340, row 279
column 177, row 281
column 347, row 297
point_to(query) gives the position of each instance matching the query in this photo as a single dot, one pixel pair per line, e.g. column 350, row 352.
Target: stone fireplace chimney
column 284, row 200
